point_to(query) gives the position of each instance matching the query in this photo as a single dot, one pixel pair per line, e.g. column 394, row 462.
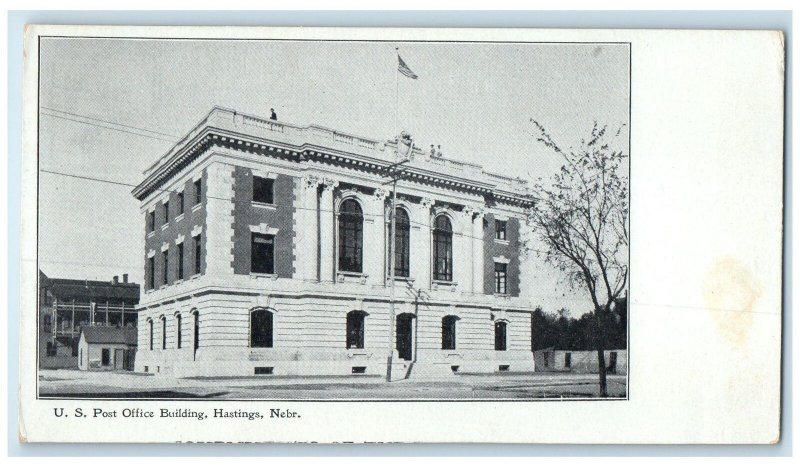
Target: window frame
column 180, row 260
column 402, row 243
column 163, row 332
column 501, row 278
column 355, row 329
column 500, row 336
column 267, row 340
column 269, row 194
column 179, row 331
column 268, row 240
column 105, row 356
column 350, row 227
column 165, row 267
column 151, row 221
column 198, row 191
column 443, row 240
column 501, row 230
column 151, row 266
column 449, row 332
column 181, row 203
column 166, row 212
column 198, row 253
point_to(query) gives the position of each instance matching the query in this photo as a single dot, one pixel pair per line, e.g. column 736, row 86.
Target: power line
column 110, row 122
column 108, row 127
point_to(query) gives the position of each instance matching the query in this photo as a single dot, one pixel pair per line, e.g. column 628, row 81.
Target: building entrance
column 405, row 330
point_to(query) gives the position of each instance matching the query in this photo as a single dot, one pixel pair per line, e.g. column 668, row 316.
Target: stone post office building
column 266, row 252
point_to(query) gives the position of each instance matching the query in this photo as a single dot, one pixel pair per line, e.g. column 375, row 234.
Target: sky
column 476, row 100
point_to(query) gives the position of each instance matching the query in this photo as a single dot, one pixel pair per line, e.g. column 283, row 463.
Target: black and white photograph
column 355, row 220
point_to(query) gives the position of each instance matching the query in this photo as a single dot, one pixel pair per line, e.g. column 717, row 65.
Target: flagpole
column 397, row 92
column 390, row 356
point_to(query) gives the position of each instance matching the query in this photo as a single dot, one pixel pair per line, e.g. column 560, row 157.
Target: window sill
column 179, row 218
column 194, row 276
column 408, row 280
column 353, row 353
column 502, row 242
column 502, row 295
column 347, row 276
column 177, row 281
column 164, row 226
column 263, row 275
column 151, row 234
column 441, row 285
column 197, row 207
column 258, row 204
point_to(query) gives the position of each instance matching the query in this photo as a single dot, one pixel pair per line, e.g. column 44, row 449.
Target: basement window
column 504, row 367
column 263, row 370
column 359, row 370
column 454, row 368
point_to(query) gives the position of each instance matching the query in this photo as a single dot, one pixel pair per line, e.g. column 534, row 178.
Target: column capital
column 426, row 202
column 380, row 194
column 311, row 181
column 329, row 183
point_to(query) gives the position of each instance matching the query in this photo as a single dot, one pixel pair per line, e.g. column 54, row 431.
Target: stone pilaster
column 219, row 220
column 421, row 262
column 306, row 229
column 327, row 231
column 477, row 251
column 375, row 240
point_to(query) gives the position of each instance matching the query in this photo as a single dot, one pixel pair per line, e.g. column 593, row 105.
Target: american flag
column 404, row 69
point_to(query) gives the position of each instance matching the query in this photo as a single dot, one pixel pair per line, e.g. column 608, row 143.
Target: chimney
column 125, row 278
column 116, row 280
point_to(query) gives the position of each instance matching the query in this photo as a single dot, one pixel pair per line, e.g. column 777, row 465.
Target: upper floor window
column 402, row 232
column 443, row 249
column 181, row 207
column 500, row 278
column 449, row 332
column 197, row 254
column 263, row 190
column 262, row 253
column 351, row 236
column 355, row 329
column 180, row 260
column 151, row 221
column 151, row 272
column 500, row 335
column 198, row 190
column 165, row 269
column 261, row 328
column 500, row 230
column 166, row 212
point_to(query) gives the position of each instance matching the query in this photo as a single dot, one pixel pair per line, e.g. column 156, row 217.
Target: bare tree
column 581, row 216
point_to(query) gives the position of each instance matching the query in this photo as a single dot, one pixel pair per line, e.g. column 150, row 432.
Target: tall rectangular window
column 166, row 212
column 500, row 230
column 198, row 258
column 179, row 326
column 262, row 253
column 500, row 335
column 165, row 270
column 151, row 221
column 151, row 272
column 180, row 260
column 500, row 278
column 181, row 207
column 106, row 357
column 198, row 190
column 263, row 190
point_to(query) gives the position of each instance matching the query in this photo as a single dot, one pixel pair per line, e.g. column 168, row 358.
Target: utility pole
column 391, row 172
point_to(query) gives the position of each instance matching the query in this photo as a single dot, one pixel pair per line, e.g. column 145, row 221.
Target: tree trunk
column 601, row 358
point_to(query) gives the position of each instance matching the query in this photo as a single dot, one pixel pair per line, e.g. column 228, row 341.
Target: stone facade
column 318, row 301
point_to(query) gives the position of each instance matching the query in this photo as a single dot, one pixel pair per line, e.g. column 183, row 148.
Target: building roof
column 109, row 335
column 96, row 291
column 229, row 128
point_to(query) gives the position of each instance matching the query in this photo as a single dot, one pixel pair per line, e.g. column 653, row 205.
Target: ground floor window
column 106, row 357
column 567, row 360
column 261, row 328
column 449, row 332
column 500, row 335
column 51, row 349
column 355, row 330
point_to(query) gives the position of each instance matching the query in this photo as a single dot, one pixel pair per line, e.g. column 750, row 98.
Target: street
column 82, row 384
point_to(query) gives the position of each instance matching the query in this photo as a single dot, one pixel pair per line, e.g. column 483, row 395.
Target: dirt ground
column 93, row 385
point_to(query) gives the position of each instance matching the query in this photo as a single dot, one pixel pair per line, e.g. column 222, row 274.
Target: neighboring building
column 106, row 348
column 266, row 252
column 581, row 361
column 66, row 305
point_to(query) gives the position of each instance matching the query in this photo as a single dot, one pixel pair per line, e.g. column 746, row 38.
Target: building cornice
column 228, row 129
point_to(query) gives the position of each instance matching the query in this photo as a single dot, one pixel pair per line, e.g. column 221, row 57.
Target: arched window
column 196, row 315
column 351, row 236
column 260, row 328
column 163, row 332
column 179, row 330
column 355, row 329
column 449, row 332
column 500, row 335
column 150, row 329
column 402, row 236
column 443, row 249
